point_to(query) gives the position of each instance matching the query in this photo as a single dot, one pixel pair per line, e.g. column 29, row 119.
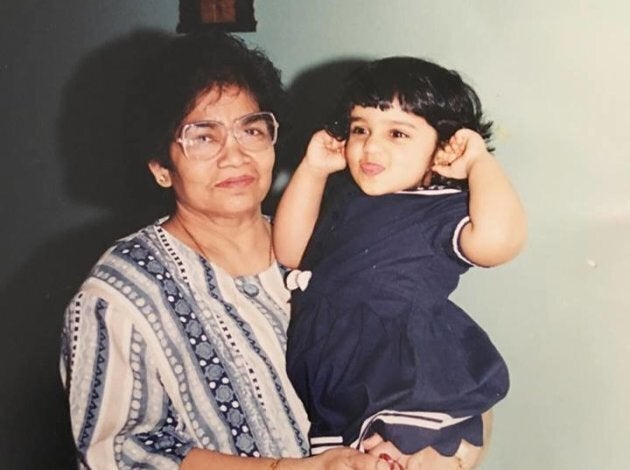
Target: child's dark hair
column 421, row 87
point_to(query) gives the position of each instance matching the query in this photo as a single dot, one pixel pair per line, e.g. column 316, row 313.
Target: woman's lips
column 371, row 169
column 235, row 182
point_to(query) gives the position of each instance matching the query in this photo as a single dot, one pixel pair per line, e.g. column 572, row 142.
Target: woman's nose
column 232, row 153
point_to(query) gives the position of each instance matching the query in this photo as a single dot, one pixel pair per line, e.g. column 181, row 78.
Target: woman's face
column 232, row 183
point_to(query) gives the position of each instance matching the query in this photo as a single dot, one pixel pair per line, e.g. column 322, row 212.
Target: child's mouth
column 371, row 169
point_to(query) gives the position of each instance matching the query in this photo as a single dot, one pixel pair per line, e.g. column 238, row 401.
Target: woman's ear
column 162, row 175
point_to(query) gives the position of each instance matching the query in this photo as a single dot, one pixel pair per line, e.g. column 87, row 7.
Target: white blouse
column 163, row 351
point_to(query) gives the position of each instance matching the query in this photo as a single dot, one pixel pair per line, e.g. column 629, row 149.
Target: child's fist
column 455, row 158
column 325, row 154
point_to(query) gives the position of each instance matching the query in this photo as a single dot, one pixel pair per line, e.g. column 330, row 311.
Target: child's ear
column 162, row 175
column 448, row 151
column 437, row 158
column 443, row 155
column 427, row 179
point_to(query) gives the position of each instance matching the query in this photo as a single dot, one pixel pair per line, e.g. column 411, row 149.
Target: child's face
column 389, row 151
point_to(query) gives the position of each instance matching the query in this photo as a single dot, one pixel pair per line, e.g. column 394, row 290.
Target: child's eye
column 358, row 130
column 398, row 134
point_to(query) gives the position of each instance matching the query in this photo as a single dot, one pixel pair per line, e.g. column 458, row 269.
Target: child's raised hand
column 325, row 154
column 456, row 157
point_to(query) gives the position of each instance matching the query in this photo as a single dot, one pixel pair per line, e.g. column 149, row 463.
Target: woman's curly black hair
column 421, row 87
column 188, row 67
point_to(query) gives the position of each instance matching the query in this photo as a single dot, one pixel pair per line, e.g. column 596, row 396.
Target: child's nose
column 372, row 144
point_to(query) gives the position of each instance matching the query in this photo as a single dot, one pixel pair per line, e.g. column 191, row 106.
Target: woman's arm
column 300, row 204
column 497, row 229
column 119, row 410
column 336, row 459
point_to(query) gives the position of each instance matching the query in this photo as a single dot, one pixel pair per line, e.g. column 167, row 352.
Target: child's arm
column 299, row 206
column 497, row 228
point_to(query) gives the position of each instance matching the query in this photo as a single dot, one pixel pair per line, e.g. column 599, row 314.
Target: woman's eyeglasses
column 204, row 140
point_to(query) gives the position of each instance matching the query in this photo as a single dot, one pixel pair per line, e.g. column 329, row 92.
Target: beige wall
column 555, row 77
column 552, row 74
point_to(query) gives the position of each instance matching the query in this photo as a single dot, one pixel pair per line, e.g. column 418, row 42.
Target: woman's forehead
column 223, row 101
column 222, row 94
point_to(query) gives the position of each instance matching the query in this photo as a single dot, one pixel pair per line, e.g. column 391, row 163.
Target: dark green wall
column 64, row 67
column 553, row 76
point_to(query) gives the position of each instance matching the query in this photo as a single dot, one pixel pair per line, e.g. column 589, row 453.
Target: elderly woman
column 173, row 348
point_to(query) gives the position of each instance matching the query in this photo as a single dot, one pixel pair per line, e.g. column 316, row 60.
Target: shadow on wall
column 100, row 175
column 312, row 97
column 100, row 168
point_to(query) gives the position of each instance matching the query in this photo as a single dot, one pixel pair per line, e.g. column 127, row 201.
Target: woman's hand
column 341, row 458
column 429, row 458
column 386, row 451
column 466, row 457
column 345, row 458
column 325, row 154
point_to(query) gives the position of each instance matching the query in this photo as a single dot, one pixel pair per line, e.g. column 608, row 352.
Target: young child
column 375, row 345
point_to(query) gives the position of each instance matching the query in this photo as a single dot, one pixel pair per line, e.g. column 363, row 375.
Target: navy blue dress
column 374, row 329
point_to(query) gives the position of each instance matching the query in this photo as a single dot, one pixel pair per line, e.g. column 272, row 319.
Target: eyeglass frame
column 185, row 127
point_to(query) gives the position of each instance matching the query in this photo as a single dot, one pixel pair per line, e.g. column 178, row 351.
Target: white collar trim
column 430, row 191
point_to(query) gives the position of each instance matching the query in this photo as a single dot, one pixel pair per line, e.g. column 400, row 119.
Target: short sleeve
column 445, row 221
column 121, row 415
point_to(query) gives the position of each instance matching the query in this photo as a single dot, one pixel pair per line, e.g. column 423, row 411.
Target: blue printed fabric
column 163, row 351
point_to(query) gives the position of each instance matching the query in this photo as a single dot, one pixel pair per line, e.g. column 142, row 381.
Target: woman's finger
column 371, row 442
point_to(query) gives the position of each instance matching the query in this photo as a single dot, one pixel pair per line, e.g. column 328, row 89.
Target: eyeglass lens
column 204, row 140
